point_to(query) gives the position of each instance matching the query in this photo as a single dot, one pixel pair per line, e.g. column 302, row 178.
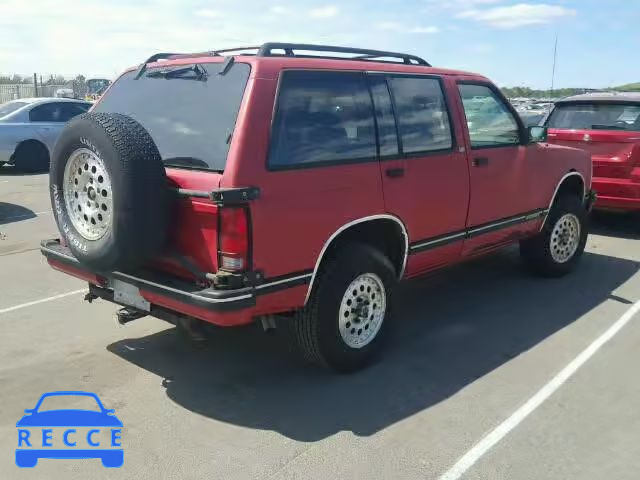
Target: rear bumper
column 221, row 307
column 617, row 194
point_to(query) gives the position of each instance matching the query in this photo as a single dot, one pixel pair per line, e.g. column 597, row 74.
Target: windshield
column 191, row 118
column 596, row 116
column 10, row 107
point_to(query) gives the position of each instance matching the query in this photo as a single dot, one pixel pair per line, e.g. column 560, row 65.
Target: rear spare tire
column 109, row 191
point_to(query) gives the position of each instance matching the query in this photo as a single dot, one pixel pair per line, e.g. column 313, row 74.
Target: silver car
column 29, row 128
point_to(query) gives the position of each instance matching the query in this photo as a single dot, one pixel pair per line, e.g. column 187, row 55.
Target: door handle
column 480, row 162
column 395, row 172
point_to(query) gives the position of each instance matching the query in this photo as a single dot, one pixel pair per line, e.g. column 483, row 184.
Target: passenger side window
column 49, row 112
column 490, row 122
column 387, row 131
column 70, row 110
column 423, row 121
column 322, row 117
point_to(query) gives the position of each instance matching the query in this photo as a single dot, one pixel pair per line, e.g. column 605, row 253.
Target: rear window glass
column 596, row 116
column 10, row 107
column 191, row 117
column 322, row 117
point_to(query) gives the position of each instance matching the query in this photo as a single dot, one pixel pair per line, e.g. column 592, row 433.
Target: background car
column 607, row 125
column 29, row 128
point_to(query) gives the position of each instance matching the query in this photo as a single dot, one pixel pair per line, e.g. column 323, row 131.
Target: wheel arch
column 394, row 234
column 571, row 182
column 30, row 141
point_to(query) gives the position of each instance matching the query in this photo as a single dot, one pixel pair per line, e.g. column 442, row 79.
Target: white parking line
column 42, row 300
column 489, row 441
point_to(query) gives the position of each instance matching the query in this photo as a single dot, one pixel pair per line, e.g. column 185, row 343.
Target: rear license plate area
column 129, row 295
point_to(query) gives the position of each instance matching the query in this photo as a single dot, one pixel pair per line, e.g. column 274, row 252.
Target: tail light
column 233, row 239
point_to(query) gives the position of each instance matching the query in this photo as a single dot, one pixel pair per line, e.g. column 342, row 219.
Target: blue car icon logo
column 69, row 433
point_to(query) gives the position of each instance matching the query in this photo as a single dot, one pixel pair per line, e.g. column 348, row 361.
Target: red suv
column 302, row 182
column 608, row 126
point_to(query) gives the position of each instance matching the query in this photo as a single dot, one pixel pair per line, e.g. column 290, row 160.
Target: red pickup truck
column 302, row 182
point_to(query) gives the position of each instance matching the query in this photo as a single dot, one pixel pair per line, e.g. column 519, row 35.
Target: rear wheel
column 31, row 157
column 346, row 321
column 556, row 250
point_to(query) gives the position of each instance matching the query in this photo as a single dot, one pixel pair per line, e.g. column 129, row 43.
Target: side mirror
column 28, row 410
column 537, row 134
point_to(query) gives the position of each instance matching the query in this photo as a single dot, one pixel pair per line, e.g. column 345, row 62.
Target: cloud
column 457, row 4
column 324, row 12
column 279, row 10
column 430, row 29
column 208, row 13
column 519, row 15
column 402, row 28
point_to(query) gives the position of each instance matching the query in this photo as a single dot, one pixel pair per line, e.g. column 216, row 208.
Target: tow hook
column 126, row 315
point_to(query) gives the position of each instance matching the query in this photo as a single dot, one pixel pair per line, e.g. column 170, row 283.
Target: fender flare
column 350, row 224
column 555, row 193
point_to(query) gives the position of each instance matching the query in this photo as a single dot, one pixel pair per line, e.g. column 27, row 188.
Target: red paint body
column 299, row 211
column 616, row 164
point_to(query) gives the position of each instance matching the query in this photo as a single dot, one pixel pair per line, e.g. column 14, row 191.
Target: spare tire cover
column 109, row 191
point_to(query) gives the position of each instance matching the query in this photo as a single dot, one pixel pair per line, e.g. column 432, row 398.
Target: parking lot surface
column 472, row 345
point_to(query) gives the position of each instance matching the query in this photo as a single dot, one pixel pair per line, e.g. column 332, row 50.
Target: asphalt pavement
column 468, row 389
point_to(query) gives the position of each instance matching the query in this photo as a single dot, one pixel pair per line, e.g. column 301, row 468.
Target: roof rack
column 266, row 50
column 153, row 58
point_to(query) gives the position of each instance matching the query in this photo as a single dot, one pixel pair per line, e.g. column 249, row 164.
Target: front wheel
column 556, row 250
column 346, row 321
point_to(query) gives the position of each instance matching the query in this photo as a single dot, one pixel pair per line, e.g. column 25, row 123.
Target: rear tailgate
column 189, row 106
column 193, row 235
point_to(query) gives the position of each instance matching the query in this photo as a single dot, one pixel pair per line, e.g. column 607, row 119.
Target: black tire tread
column 536, row 252
column 305, row 326
column 137, row 173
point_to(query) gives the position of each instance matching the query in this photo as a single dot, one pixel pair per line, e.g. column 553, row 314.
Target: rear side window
column 596, row 116
column 322, row 118
column 70, row 110
column 49, row 112
column 422, row 115
column 191, row 116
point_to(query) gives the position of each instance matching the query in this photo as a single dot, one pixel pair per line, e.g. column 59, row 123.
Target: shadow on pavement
column 451, row 329
column 11, row 171
column 620, row 225
column 10, row 212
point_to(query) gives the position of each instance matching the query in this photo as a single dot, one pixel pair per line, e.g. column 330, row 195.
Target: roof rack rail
column 153, row 58
column 229, row 50
column 266, row 50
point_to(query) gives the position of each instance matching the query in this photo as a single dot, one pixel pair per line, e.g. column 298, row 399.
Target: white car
column 29, row 128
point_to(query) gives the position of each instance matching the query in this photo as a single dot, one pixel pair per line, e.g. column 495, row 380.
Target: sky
column 509, row 41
